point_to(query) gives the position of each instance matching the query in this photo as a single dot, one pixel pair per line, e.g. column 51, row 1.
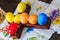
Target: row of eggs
column 24, row 18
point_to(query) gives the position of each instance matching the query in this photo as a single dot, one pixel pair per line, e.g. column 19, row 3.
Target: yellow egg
column 33, row 19
column 21, row 7
column 24, row 18
column 57, row 21
column 9, row 17
column 17, row 18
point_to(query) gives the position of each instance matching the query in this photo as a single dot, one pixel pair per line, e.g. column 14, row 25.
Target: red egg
column 12, row 28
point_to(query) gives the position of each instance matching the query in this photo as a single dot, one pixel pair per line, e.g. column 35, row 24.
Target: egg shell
column 42, row 19
column 24, row 18
column 17, row 19
column 21, row 7
column 12, row 28
column 33, row 19
column 10, row 17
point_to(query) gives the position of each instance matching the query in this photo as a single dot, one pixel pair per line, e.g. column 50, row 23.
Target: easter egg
column 12, row 28
column 17, row 19
column 9, row 17
column 33, row 19
column 57, row 21
column 24, row 18
column 21, row 7
column 42, row 19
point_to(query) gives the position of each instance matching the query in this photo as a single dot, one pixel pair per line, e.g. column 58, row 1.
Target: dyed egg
column 9, row 17
column 57, row 21
column 17, row 19
column 21, row 7
column 33, row 19
column 42, row 19
column 12, row 28
column 24, row 18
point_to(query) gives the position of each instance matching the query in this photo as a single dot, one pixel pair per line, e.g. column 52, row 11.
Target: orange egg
column 33, row 19
column 24, row 18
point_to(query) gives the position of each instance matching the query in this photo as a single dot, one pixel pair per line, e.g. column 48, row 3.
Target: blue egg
column 42, row 19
